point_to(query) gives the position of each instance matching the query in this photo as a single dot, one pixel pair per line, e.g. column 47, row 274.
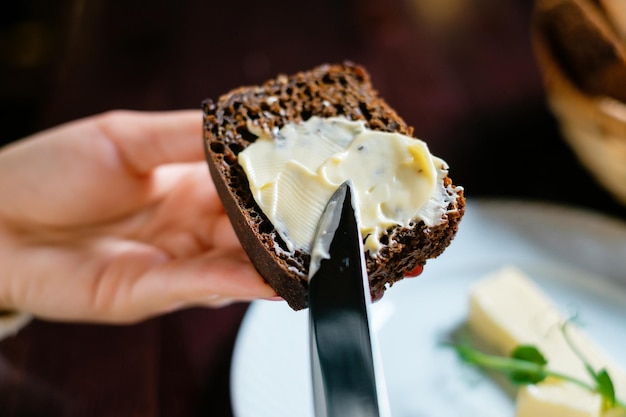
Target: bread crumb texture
column 325, row 91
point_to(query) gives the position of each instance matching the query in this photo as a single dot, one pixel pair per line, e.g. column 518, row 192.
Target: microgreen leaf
column 530, row 354
column 527, row 365
column 604, row 383
column 606, row 388
column 519, row 370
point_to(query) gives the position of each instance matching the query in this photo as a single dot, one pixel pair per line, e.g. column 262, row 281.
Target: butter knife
column 346, row 371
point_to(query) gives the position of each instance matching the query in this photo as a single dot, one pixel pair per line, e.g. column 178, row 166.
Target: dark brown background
column 463, row 75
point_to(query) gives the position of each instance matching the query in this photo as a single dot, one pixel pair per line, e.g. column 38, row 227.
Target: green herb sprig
column 528, row 365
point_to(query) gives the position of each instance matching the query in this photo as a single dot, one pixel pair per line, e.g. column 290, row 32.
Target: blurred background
column 462, row 72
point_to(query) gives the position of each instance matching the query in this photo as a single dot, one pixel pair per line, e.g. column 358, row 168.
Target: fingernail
column 274, row 298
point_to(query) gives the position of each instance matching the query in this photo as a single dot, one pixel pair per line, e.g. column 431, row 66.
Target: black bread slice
column 325, row 91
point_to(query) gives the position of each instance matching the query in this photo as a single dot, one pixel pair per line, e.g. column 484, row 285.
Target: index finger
column 146, row 140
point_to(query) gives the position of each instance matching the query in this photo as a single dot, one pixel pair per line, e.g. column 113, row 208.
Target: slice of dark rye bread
column 325, row 91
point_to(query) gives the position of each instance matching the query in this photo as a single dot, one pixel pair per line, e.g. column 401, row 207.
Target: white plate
column 577, row 257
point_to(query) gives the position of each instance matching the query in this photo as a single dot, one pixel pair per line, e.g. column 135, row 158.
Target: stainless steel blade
column 342, row 360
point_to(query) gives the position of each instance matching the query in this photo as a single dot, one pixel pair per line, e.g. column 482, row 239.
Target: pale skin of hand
column 114, row 218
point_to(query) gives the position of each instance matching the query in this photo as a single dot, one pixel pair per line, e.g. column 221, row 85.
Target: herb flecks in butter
column 293, row 172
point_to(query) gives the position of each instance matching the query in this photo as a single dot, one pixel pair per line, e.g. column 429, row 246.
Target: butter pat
column 557, row 400
column 293, row 172
column 508, row 309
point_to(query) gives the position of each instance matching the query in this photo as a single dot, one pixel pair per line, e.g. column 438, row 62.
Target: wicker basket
column 585, row 84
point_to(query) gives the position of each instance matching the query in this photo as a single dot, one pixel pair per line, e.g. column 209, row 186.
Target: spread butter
column 293, row 172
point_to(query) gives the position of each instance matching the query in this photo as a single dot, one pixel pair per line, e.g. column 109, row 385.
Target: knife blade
column 346, row 372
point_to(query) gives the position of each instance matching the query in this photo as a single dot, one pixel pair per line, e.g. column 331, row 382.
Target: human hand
column 114, row 218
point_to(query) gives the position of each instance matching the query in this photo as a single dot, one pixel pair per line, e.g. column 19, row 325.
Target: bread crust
column 328, row 90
